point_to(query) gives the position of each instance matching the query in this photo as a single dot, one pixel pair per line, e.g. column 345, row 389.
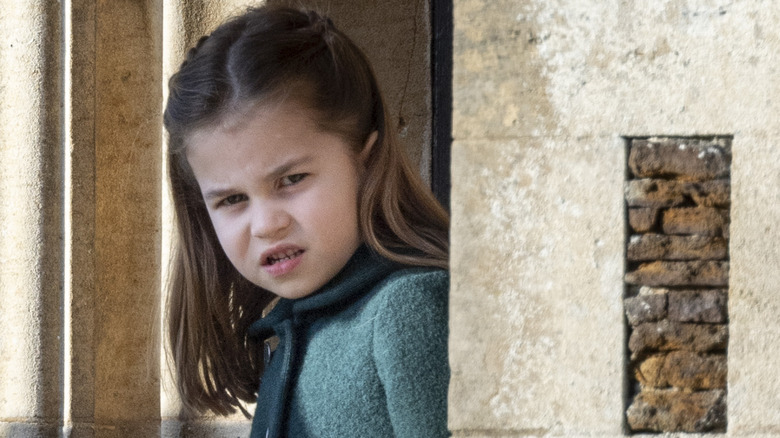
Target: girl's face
column 282, row 196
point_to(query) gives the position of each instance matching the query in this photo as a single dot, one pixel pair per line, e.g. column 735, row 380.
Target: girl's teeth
column 288, row 255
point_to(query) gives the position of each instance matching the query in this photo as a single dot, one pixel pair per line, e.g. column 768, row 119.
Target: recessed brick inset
column 678, row 200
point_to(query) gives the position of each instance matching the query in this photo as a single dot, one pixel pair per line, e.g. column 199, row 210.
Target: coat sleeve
column 410, row 350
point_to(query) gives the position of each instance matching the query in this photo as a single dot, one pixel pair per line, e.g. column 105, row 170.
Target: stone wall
column 677, row 262
column 545, row 94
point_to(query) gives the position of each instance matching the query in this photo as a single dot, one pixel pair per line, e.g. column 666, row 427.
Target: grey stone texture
column 679, row 158
column 664, row 247
column 707, row 306
column 645, row 308
column 657, row 410
column 668, row 336
column 545, row 91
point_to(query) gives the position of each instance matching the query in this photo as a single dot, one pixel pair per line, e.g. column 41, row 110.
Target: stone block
column 645, row 308
column 706, row 221
column 685, row 369
column 713, row 193
column 661, row 193
column 642, row 220
column 684, row 159
column 654, row 193
column 649, row 372
column 709, row 305
column 667, row 336
column 672, row 410
column 662, row 247
column 674, row 273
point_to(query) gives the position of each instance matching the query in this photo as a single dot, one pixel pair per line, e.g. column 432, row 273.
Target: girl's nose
column 270, row 221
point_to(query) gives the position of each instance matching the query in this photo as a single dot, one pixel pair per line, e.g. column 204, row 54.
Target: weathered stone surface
column 689, row 273
column 649, row 372
column 705, row 221
column 672, row 410
column 662, row 247
column 642, row 220
column 645, row 308
column 654, row 193
column 667, row 336
column 713, row 193
column 709, row 305
column 660, row 193
column 685, row 369
column 686, row 159
column 682, row 369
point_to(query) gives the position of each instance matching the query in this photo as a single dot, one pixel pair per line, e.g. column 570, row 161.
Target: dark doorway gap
column 441, row 95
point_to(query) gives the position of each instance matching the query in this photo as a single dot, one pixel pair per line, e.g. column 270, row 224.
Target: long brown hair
column 266, row 53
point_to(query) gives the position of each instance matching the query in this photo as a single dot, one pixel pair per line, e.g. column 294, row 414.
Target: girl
column 288, row 182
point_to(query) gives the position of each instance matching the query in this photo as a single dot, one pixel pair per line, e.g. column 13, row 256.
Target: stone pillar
column 30, row 218
column 114, row 154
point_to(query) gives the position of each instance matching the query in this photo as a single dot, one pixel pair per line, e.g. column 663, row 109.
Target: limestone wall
column 546, row 92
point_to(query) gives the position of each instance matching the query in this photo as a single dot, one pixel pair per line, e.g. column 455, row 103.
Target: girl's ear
column 363, row 156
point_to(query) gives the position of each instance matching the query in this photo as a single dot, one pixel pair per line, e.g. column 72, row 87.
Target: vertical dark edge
column 441, row 95
column 627, row 390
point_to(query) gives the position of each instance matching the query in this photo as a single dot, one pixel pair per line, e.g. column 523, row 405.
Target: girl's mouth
column 281, row 257
column 283, row 261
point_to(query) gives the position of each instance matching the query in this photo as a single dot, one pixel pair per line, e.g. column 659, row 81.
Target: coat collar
column 364, row 269
column 361, row 273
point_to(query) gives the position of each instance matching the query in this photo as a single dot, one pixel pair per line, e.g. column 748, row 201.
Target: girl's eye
column 291, row 180
column 231, row 200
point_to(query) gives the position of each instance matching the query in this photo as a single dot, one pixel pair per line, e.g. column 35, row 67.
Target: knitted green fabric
column 366, row 358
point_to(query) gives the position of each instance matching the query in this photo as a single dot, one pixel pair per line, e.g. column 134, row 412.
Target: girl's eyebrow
column 275, row 173
column 283, row 168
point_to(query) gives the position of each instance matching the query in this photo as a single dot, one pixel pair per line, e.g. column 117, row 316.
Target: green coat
column 366, row 356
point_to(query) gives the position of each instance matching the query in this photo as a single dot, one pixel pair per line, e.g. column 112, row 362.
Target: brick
column 671, row 410
column 708, row 306
column 642, row 220
column 705, row 221
column 685, row 369
column 684, row 159
column 674, row 273
column 645, row 308
column 662, row 247
column 667, row 336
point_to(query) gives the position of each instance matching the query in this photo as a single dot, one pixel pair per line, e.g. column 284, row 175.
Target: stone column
column 30, row 219
column 113, row 193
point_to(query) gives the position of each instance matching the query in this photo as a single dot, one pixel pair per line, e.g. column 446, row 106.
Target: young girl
column 288, row 182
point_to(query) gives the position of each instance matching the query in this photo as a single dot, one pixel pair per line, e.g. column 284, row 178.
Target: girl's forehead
column 266, row 116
